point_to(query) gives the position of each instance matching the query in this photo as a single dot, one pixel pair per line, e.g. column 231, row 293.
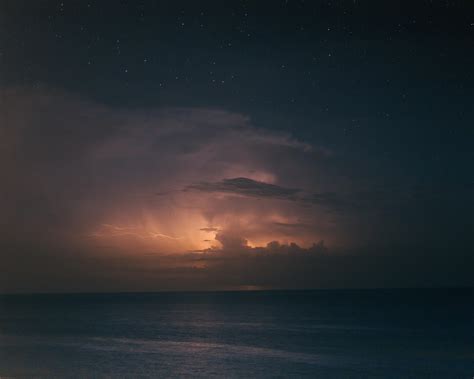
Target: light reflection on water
column 329, row 334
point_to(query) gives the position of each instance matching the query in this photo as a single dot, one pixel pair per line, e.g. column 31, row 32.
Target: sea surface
column 288, row 334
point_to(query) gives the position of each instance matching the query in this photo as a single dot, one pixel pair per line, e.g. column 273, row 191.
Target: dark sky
column 151, row 145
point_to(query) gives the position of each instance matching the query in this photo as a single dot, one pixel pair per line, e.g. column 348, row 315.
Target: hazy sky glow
column 138, row 173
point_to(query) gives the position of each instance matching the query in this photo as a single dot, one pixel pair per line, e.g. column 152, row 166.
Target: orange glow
column 109, row 230
column 179, row 233
column 193, row 221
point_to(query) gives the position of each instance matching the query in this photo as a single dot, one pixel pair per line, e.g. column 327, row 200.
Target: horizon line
column 236, row 291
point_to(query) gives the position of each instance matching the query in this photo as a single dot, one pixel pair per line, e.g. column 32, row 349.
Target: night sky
column 150, row 145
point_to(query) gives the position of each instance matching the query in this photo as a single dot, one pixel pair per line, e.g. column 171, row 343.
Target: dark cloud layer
column 274, row 266
column 380, row 199
column 247, row 187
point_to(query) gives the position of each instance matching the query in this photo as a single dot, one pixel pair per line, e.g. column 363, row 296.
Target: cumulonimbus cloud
column 79, row 199
column 91, row 165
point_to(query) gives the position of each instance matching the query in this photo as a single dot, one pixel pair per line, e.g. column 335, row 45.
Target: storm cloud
column 238, row 205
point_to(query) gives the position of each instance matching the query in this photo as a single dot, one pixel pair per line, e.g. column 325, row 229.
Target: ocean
column 423, row 333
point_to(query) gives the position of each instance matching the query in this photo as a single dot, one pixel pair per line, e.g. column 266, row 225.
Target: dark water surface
column 322, row 334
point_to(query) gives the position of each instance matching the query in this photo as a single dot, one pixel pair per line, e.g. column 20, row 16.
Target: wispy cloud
column 109, row 231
